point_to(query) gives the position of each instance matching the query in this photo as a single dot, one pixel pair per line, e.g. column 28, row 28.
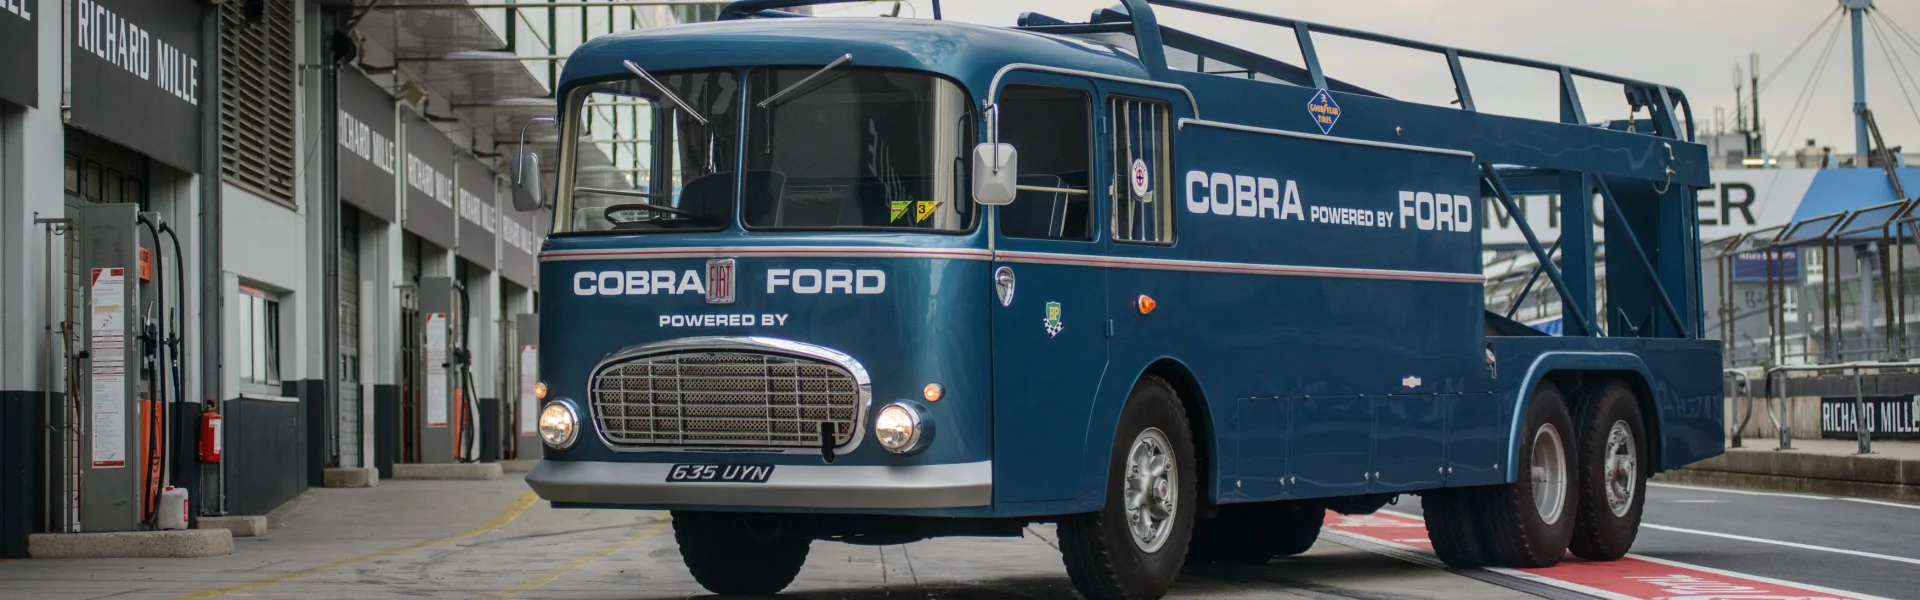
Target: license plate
column 720, row 473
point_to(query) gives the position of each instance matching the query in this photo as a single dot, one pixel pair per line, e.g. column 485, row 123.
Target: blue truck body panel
column 1321, row 302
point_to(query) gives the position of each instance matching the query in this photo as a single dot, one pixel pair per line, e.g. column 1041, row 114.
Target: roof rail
column 743, row 9
column 1668, row 105
column 770, row 8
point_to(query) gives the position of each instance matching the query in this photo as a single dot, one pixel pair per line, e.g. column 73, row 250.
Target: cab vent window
column 1142, row 210
column 1049, row 127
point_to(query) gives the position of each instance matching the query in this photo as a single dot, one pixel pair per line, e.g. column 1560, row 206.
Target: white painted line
column 1779, row 582
column 1883, row 503
column 1902, row 559
column 1565, row 585
column 1740, row 492
column 1696, row 502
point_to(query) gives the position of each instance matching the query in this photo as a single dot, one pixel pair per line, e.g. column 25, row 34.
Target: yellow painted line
column 507, row 516
column 545, row 577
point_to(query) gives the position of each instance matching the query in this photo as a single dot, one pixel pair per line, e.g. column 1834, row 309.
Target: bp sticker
column 1052, row 322
column 1140, row 180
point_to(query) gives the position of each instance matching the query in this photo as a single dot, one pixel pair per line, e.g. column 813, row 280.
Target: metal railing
column 1742, row 389
column 1781, row 409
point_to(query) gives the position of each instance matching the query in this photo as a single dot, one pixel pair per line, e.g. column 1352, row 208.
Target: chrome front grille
column 724, row 398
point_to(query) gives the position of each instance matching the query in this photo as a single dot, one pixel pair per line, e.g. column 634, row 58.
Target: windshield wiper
column 666, row 92
column 844, row 59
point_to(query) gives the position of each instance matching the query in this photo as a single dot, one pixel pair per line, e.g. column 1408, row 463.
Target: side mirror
column 996, row 171
column 526, row 183
column 526, row 172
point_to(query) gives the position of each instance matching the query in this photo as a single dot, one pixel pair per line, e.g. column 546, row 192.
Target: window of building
column 258, row 329
column 1142, row 208
column 1051, row 129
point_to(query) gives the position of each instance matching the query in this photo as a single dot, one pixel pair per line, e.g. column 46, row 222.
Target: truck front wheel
column 739, row 554
column 1133, row 548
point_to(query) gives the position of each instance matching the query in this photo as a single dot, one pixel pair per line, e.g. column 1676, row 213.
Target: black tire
column 1600, row 532
column 1252, row 534
column 739, row 554
column 1099, row 549
column 1518, row 535
column 1453, row 527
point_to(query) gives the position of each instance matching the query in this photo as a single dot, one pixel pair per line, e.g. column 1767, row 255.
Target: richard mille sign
column 137, row 75
column 19, row 51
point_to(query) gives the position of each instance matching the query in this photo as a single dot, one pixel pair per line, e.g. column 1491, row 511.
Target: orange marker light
column 933, row 392
column 540, row 390
column 1146, row 304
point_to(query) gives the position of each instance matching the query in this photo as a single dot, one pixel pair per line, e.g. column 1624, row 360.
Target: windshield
column 642, row 163
column 857, row 149
column 836, row 148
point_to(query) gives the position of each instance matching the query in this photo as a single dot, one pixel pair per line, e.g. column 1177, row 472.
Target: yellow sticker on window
column 899, row 208
column 923, row 209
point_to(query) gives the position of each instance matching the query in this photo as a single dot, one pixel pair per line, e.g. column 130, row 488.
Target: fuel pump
column 461, row 355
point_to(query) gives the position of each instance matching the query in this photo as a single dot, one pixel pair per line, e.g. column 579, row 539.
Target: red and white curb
column 1634, row 577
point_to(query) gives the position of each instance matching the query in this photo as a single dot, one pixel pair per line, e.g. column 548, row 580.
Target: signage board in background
column 1891, row 417
column 479, row 218
column 20, row 52
column 366, row 131
column 520, row 235
column 1741, row 200
column 136, row 75
column 428, row 166
column 1752, row 266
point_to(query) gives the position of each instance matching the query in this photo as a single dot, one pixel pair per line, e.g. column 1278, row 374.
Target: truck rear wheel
column 1612, row 482
column 1133, row 548
column 1453, row 527
column 1252, row 534
column 1530, row 522
column 739, row 554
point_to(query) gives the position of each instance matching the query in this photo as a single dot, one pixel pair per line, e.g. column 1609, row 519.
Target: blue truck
column 885, row 297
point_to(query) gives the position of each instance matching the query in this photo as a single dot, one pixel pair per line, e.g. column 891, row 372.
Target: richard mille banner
column 478, row 219
column 519, row 242
column 367, row 161
column 20, row 51
column 136, row 75
column 428, row 165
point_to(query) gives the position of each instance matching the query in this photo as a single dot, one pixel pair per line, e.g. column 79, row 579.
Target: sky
column 1694, row 45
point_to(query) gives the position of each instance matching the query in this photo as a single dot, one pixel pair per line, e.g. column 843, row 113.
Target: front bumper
column 790, row 486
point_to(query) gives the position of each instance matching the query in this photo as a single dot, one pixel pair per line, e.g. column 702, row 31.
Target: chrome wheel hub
column 1622, row 469
column 1549, row 474
column 1152, row 489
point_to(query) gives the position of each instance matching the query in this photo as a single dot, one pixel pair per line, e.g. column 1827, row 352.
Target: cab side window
column 1142, row 165
column 1050, row 128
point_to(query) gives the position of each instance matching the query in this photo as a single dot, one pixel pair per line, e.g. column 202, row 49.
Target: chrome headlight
column 559, row 424
column 900, row 428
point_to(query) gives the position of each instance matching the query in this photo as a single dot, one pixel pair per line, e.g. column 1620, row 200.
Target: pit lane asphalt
column 436, row 539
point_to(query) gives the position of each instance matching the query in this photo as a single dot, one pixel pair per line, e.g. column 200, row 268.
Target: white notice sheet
column 107, row 343
column 437, row 369
column 529, row 375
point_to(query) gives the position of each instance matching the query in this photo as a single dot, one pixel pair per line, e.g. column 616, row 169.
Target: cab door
column 1050, row 333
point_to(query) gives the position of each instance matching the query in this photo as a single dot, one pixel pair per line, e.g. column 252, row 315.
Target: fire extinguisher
column 210, row 444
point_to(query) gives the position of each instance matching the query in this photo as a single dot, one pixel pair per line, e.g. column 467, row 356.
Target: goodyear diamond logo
column 1324, row 110
column 1053, row 319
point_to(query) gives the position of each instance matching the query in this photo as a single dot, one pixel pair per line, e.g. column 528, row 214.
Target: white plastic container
column 173, row 508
